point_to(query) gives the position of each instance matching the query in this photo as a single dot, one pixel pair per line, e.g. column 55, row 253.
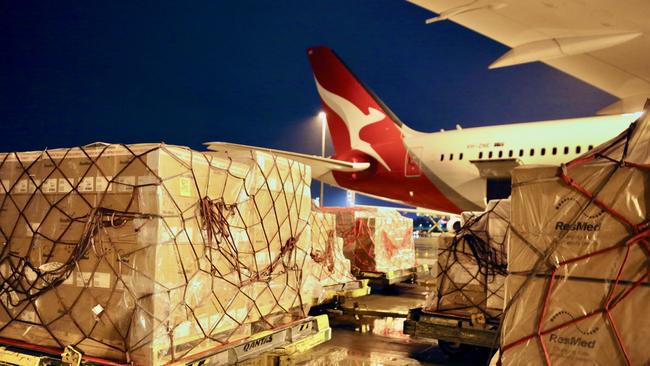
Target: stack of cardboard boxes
column 472, row 264
column 325, row 264
column 148, row 253
column 578, row 287
column 376, row 240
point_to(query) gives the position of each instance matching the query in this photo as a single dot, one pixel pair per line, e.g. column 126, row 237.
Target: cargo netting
column 375, row 240
column 578, row 287
column 472, row 264
column 325, row 266
column 150, row 253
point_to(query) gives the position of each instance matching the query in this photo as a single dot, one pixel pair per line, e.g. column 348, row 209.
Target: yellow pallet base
column 286, row 355
column 8, row 357
column 272, row 348
column 392, row 277
column 333, row 292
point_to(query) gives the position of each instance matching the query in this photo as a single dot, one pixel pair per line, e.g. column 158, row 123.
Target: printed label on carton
column 50, row 185
column 21, row 186
column 102, row 280
column 185, row 186
column 82, row 278
column 65, row 185
column 87, row 184
column 33, row 184
column 101, row 184
column 126, row 183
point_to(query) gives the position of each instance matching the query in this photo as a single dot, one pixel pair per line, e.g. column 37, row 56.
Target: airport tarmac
column 368, row 331
column 349, row 347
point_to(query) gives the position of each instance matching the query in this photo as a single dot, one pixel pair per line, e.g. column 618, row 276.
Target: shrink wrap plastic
column 149, row 253
column 375, row 240
column 578, row 290
column 325, row 265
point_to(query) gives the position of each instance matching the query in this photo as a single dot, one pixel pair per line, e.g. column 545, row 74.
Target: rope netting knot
column 325, row 257
column 215, row 215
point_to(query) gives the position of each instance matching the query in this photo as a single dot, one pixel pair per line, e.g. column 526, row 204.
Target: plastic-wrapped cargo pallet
column 578, row 289
column 472, row 264
column 375, row 240
column 325, row 265
column 148, row 253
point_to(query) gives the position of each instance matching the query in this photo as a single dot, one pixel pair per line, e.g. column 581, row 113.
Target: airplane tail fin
column 360, row 124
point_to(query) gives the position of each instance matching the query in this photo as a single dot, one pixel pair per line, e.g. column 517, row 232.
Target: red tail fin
column 357, row 119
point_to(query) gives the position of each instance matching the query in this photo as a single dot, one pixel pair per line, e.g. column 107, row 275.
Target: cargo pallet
column 453, row 331
column 272, row 347
column 365, row 310
column 350, row 289
column 336, row 295
column 382, row 279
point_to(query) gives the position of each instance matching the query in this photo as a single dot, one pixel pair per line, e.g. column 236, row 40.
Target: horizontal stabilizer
column 319, row 166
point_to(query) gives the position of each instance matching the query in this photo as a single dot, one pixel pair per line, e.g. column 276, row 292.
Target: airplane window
column 442, row 157
column 543, row 151
column 460, row 157
column 500, row 154
column 566, row 150
column 510, row 153
column 451, row 156
column 591, row 147
column 532, row 152
column 490, row 155
column 480, row 155
column 578, row 149
column 555, row 151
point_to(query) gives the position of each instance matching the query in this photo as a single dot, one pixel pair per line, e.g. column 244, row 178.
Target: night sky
column 237, row 71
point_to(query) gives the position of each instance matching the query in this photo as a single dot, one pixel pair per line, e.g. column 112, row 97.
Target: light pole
column 323, row 120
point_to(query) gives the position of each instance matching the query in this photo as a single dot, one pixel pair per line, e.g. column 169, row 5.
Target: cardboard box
column 589, row 341
column 549, row 214
column 578, row 285
column 325, row 264
column 139, row 253
column 462, row 286
column 471, row 264
column 376, row 240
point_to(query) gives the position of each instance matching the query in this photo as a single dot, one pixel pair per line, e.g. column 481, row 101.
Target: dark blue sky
column 131, row 72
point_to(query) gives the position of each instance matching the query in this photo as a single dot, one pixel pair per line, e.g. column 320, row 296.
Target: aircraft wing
column 320, row 167
column 605, row 43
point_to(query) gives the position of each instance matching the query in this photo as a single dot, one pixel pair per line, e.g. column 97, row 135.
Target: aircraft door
column 412, row 167
column 498, row 188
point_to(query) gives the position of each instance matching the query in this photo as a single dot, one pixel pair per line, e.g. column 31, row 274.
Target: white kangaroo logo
column 354, row 119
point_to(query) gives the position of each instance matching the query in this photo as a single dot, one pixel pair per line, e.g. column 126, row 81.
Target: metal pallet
column 350, row 289
column 383, row 279
column 273, row 347
column 470, row 329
